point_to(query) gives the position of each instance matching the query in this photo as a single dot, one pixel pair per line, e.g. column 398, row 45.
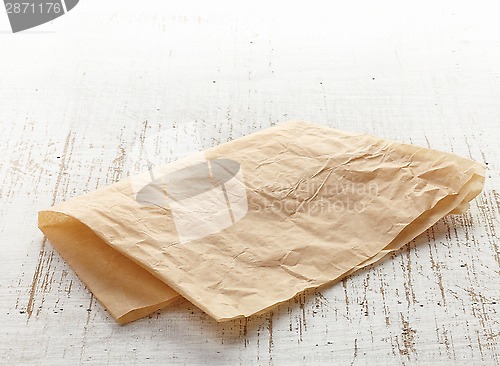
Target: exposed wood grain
column 74, row 103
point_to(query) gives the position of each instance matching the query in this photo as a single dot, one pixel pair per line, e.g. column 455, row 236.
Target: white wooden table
column 77, row 94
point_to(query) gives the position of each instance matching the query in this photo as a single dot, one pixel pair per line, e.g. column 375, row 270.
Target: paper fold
column 313, row 205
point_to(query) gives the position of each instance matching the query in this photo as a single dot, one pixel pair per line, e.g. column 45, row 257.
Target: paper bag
column 249, row 224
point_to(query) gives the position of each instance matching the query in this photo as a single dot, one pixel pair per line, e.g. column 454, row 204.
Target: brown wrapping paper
column 249, row 224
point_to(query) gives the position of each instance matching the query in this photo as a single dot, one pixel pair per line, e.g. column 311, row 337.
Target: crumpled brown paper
column 255, row 221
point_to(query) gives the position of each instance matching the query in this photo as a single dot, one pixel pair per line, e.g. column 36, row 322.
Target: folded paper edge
column 121, row 316
column 476, row 181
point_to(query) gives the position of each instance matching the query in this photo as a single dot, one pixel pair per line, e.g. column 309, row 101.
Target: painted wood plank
column 75, row 102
